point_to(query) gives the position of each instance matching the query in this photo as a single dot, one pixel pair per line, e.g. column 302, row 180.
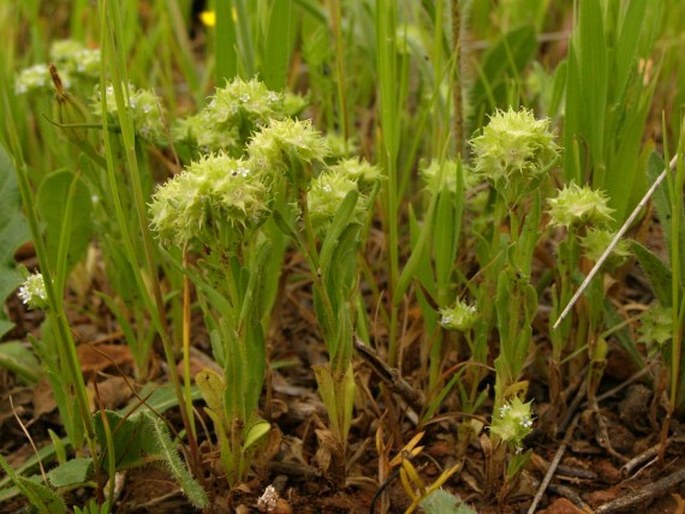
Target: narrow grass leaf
column 225, row 44
column 279, row 44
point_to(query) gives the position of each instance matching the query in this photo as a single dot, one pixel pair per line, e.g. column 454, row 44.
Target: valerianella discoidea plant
column 514, row 151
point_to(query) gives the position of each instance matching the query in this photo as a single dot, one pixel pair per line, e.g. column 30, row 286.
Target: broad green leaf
column 657, row 272
column 211, row 386
column 13, row 232
column 158, row 398
column 132, row 440
column 51, row 204
column 72, row 473
column 443, row 502
column 20, row 360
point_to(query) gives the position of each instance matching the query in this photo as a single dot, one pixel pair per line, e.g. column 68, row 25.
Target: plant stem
column 456, row 85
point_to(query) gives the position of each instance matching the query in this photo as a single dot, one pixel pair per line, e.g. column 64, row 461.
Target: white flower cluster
column 33, row 293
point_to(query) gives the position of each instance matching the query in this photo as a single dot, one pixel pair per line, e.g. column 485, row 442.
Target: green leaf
column 131, row 438
column 20, row 360
column 211, row 386
column 39, row 496
column 657, row 272
column 255, row 433
column 5, row 325
column 72, row 473
column 13, row 227
column 662, row 203
column 48, row 498
column 592, row 54
column 45, row 455
column 340, row 222
column 13, row 232
column 167, row 450
column 507, row 58
column 444, row 502
column 52, row 204
column 279, row 44
column 159, row 398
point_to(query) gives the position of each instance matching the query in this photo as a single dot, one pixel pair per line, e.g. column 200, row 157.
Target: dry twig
column 553, row 465
column 651, row 491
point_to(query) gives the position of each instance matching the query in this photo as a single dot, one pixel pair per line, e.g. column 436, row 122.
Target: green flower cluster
column 74, row 62
column 513, row 422
column 145, row 109
column 221, row 196
column 597, row 240
column 461, row 317
column 656, row 325
column 328, row 190
column 32, row 292
column 212, row 195
column 75, row 59
column 233, row 114
column 577, row 207
column 439, row 177
column 288, row 141
column 514, row 151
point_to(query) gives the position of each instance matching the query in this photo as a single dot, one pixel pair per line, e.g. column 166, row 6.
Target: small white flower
column 32, row 292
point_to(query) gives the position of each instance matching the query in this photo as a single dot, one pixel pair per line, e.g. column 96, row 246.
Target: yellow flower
column 208, row 18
